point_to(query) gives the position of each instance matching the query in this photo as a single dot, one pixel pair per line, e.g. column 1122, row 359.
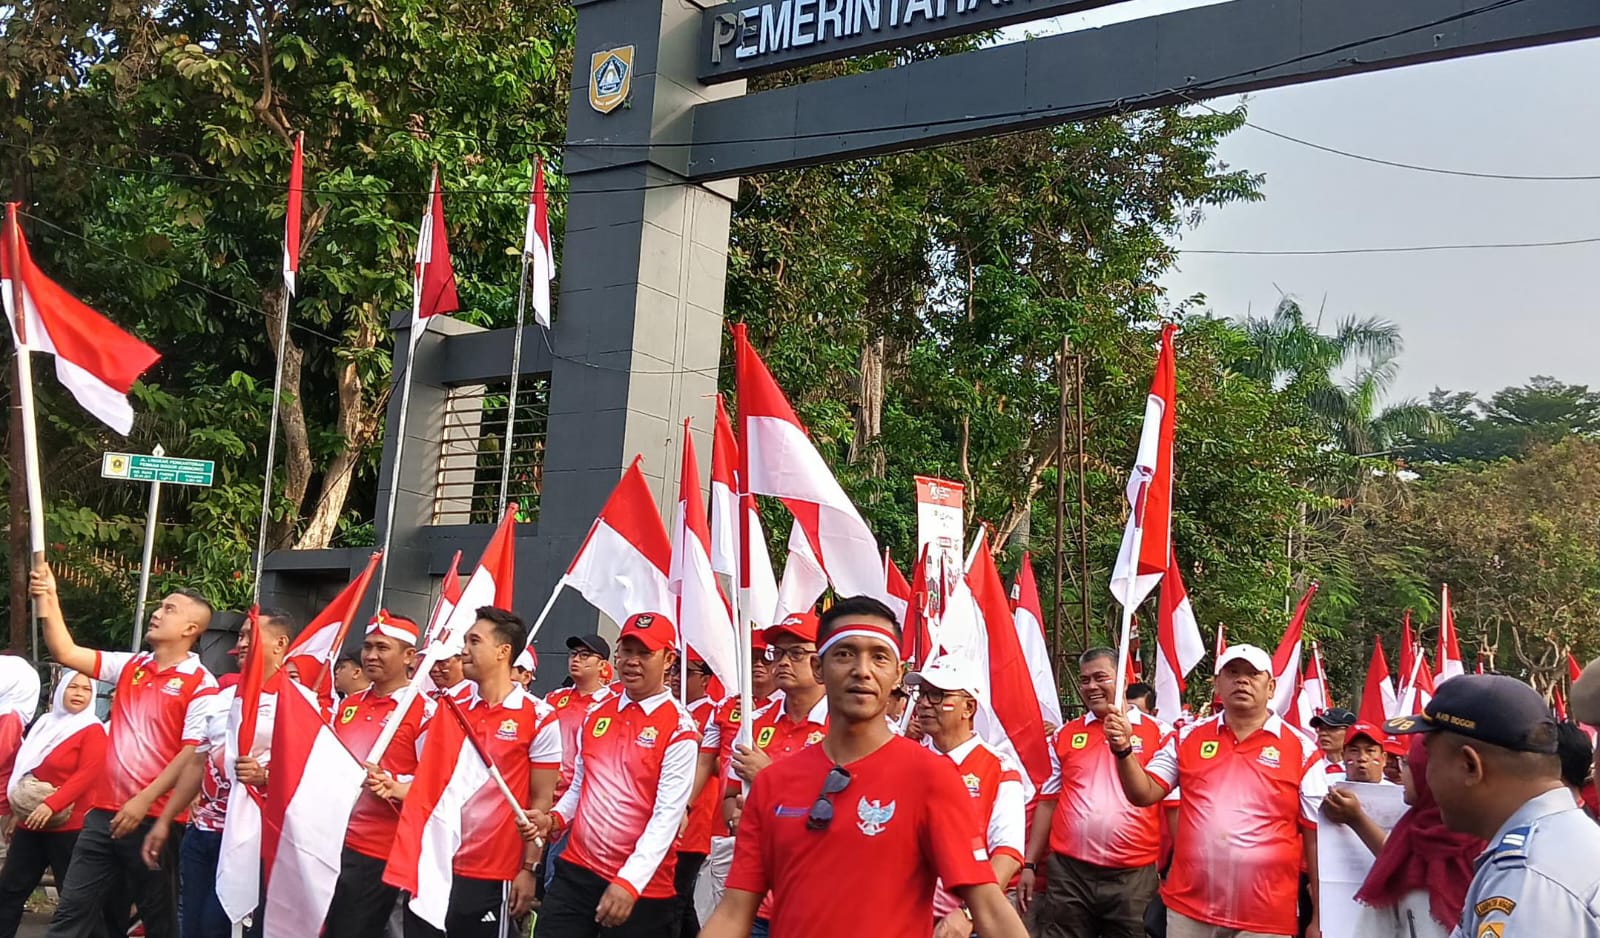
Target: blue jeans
column 555, row 851
column 759, row 928
column 202, row 915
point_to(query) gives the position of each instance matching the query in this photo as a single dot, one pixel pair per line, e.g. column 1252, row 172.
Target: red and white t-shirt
column 571, row 707
column 521, row 735
column 220, row 726
column 1237, row 850
column 696, row 837
column 1094, row 822
column 720, row 735
column 904, row 822
column 154, row 714
column 995, row 786
column 636, row 761
column 360, row 719
column 778, row 735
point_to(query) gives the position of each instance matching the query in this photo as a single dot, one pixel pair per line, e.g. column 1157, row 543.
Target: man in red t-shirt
column 629, row 792
column 851, row 835
column 362, row 901
column 586, row 662
column 157, row 721
column 1102, row 850
column 1252, row 786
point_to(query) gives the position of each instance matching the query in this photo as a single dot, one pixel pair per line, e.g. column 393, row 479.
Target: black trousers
column 477, row 910
column 104, row 871
column 362, row 901
column 574, row 894
column 30, row 853
column 683, row 880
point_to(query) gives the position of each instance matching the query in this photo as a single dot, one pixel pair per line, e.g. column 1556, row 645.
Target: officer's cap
column 1491, row 708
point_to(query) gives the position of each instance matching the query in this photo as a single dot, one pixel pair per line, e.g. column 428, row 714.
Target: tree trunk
column 869, row 410
column 295, row 438
column 358, row 426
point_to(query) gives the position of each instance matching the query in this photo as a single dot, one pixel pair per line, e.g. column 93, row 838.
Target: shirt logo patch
column 600, row 727
column 563, row 702
column 646, row 737
column 1269, row 757
column 1080, row 740
column 814, row 738
column 873, row 816
column 1495, row 904
column 139, row 675
column 973, row 783
column 734, row 716
column 764, row 737
column 173, row 687
column 1492, row 930
column 1208, row 749
column 507, row 730
column 1137, row 744
column 347, row 714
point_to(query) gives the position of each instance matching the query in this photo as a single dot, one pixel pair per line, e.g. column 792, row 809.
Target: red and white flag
column 778, row 459
column 492, row 583
column 313, row 652
column 434, row 279
column 311, row 790
column 291, row 219
column 95, row 360
column 706, row 621
column 1147, row 539
column 1313, row 697
column 1410, row 650
column 1449, row 656
column 898, row 587
column 622, row 567
column 1011, row 688
column 449, row 597
column 449, row 772
column 1378, row 700
column 239, row 862
column 1286, row 659
column 1179, row 645
column 804, row 580
column 916, row 644
column 536, row 244
column 758, row 602
column 1416, row 691
column 1028, row 617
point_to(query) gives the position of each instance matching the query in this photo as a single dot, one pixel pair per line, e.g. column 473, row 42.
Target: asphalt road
column 34, row 925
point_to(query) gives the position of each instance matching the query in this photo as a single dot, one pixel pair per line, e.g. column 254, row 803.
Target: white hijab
column 51, row 730
column 19, row 687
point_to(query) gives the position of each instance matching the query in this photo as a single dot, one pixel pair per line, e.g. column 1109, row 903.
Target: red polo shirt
column 719, row 737
column 571, row 707
column 520, row 734
column 703, row 811
column 995, row 785
column 358, row 721
column 154, row 714
column 1094, row 822
column 904, row 822
column 1237, row 849
column 777, row 735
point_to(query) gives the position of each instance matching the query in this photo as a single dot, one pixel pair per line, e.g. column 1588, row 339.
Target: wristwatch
column 1031, row 866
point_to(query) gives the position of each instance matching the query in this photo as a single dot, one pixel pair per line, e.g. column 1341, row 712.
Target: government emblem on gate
column 610, row 78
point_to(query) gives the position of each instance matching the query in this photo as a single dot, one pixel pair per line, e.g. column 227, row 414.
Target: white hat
column 1249, row 654
column 950, row 672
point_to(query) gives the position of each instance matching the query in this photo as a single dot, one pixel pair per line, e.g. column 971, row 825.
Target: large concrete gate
column 659, row 129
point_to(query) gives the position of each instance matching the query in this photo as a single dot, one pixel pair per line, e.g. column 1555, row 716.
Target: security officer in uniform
column 1493, row 768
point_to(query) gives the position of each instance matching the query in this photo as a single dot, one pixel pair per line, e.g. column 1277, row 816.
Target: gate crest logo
column 610, row 78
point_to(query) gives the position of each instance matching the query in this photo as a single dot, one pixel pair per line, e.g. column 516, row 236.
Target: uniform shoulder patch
column 1512, row 847
column 1499, row 904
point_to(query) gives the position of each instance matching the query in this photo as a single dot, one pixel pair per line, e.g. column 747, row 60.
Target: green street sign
column 137, row 467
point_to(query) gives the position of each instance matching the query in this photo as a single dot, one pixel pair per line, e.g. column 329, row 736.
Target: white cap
column 1249, row 654
column 950, row 672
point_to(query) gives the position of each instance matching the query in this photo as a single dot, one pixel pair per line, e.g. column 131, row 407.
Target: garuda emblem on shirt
column 873, row 816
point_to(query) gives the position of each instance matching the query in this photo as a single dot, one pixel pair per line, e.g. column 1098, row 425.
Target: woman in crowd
column 61, row 757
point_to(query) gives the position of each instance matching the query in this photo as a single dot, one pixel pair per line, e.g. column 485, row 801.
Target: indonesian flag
column 1028, row 617
column 1179, row 645
column 1286, row 659
column 1149, row 530
column 316, row 648
column 1409, row 649
column 239, row 862
column 1378, row 701
column 1313, row 698
column 622, row 567
column 491, row 584
column 95, row 360
column 537, row 246
column 894, row 582
column 759, row 602
column 705, row 621
column 434, row 279
column 1222, row 646
column 803, row 580
column 1011, row 688
column 778, row 459
column 311, row 789
column 1449, row 657
column 915, row 642
column 449, row 772
column 449, row 598
column 1417, row 689
column 291, row 218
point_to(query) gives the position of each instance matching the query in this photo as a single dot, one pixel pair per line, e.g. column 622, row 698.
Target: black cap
column 592, row 643
column 1334, row 718
column 1491, row 708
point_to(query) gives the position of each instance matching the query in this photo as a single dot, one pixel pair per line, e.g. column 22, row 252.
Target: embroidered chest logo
column 765, row 737
column 646, row 737
column 873, row 816
column 1137, row 744
column 1208, row 749
column 973, row 784
column 173, row 687
column 600, row 727
column 139, row 674
column 1080, row 740
column 1269, row 757
column 347, row 714
column 814, row 738
column 1495, row 904
column 563, row 702
column 734, row 716
column 507, row 730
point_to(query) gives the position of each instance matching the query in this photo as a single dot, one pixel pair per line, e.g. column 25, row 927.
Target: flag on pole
column 706, row 621
column 1378, row 701
column 1179, row 645
column 1558, row 703
column 312, row 654
column 1011, row 688
column 1286, row 659
column 449, row 597
column 778, row 459
column 434, row 277
column 915, row 641
column 1028, row 617
column 899, row 589
column 95, row 360
column 540, row 250
column 291, row 218
column 1417, row 690
column 1313, row 696
column 491, row 584
column 1409, row 650
column 1449, row 656
column 1147, row 538
column 803, row 581
column 238, row 878
column 758, row 602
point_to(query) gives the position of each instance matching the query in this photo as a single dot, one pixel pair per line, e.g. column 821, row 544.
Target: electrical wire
column 1403, row 249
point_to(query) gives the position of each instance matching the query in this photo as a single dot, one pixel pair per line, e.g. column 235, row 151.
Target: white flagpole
column 272, row 445
column 516, row 369
column 747, row 698
column 30, row 432
column 1127, row 622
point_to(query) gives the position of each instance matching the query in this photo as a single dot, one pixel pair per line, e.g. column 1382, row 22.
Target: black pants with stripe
column 477, row 910
column 575, row 893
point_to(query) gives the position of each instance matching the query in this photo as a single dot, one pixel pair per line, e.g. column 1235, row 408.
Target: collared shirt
column 154, row 714
column 636, row 761
column 219, row 749
column 1237, row 850
column 571, row 707
column 719, row 737
column 520, row 734
column 1539, row 876
column 359, row 720
column 995, row 786
column 1094, row 823
column 704, row 810
column 462, row 693
column 777, row 735
column 903, row 822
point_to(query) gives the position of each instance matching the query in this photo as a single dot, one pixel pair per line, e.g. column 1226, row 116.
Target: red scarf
column 1422, row 854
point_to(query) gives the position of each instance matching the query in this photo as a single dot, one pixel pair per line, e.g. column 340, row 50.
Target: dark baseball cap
column 1490, row 708
column 592, row 643
column 1334, row 718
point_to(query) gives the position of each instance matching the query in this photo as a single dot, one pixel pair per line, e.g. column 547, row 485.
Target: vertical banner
column 941, row 525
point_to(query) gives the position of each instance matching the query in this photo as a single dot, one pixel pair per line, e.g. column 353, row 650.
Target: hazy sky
column 1478, row 319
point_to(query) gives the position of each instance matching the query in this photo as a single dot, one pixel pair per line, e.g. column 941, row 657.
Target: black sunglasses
column 821, row 814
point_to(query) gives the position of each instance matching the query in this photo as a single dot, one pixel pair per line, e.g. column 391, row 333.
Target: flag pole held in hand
column 494, row 771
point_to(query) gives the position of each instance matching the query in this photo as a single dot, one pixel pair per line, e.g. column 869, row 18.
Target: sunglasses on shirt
column 821, row 814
